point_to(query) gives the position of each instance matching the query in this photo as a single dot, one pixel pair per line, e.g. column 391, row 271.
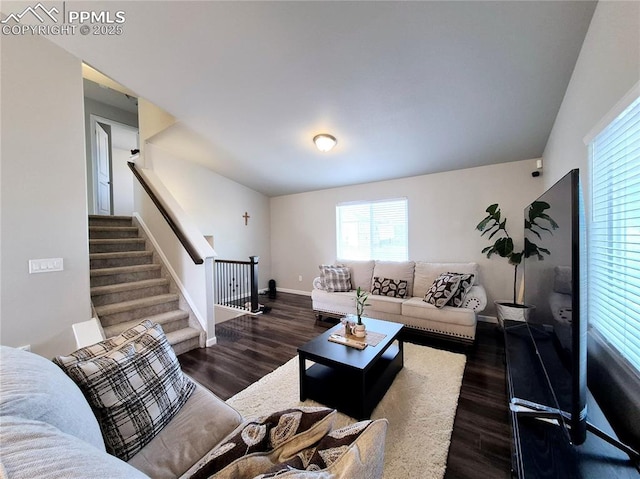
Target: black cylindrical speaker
column 272, row 289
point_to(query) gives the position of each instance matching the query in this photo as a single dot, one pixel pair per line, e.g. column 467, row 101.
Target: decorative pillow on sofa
column 134, row 390
column 103, row 347
column 466, row 282
column 427, row 272
column 442, row 289
column 324, row 454
column 257, row 444
column 402, row 270
column 335, row 278
column 396, row 288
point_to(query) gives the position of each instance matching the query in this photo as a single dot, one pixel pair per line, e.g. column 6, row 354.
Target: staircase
column 127, row 286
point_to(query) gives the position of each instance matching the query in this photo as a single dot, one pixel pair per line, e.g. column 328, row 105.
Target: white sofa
column 413, row 311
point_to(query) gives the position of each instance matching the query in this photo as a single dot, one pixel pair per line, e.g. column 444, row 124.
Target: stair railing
column 191, row 249
column 194, row 279
column 237, row 284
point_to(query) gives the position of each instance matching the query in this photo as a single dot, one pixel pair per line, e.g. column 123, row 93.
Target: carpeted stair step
column 128, row 287
column 184, row 340
column 98, row 232
column 114, row 313
column 120, row 292
column 100, row 220
column 110, row 245
column 170, row 321
column 124, row 274
column 122, row 258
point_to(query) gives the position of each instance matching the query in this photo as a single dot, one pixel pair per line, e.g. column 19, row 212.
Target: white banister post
column 211, row 315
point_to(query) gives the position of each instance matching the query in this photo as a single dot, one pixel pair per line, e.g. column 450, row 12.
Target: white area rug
column 420, row 406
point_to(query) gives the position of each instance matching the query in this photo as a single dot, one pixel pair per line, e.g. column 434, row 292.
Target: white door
column 103, row 169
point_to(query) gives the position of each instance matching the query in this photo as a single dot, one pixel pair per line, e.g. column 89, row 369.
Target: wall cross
column 246, row 218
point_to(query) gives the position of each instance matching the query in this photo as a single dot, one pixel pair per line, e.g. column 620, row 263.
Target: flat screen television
column 555, row 288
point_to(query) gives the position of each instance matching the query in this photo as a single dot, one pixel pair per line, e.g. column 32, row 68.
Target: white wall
column 607, row 68
column 152, row 120
column 122, row 182
column 43, row 195
column 192, row 278
column 217, row 205
column 444, row 209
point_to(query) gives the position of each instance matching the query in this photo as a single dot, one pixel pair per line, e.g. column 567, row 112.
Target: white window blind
column 373, row 230
column 614, row 236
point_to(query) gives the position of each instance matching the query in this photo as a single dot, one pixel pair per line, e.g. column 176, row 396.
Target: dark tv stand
column 540, row 446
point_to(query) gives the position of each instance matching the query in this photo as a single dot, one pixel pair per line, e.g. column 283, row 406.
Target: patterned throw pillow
column 396, row 288
column 134, row 390
column 466, row 282
column 254, row 446
column 335, row 278
column 103, row 347
column 442, row 289
column 322, row 455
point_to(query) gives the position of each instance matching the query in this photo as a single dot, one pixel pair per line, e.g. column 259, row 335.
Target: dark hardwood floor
column 250, row 347
column 480, row 441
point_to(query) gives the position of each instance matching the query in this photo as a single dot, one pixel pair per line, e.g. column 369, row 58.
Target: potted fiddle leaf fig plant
column 537, row 221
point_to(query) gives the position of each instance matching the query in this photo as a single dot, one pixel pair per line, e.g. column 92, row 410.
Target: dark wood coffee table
column 350, row 380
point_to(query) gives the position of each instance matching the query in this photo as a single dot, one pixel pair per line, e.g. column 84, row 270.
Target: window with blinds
column 614, row 236
column 373, row 230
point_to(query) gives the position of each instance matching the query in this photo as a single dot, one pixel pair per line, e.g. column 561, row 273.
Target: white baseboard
column 293, row 291
column 211, row 342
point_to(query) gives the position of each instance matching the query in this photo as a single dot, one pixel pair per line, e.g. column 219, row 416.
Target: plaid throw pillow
column 466, row 281
column 442, row 289
column 134, row 390
column 335, row 278
column 103, row 347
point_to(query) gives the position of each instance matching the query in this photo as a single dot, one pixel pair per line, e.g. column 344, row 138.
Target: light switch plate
column 46, row 265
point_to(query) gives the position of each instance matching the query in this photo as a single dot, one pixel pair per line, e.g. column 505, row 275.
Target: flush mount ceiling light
column 324, row 142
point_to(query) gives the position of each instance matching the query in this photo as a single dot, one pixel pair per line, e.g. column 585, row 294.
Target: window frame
column 373, row 252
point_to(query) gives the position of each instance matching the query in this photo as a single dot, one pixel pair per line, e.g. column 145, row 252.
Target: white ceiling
column 408, row 88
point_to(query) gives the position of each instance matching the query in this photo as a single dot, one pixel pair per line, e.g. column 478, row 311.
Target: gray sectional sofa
column 412, row 310
column 48, row 430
